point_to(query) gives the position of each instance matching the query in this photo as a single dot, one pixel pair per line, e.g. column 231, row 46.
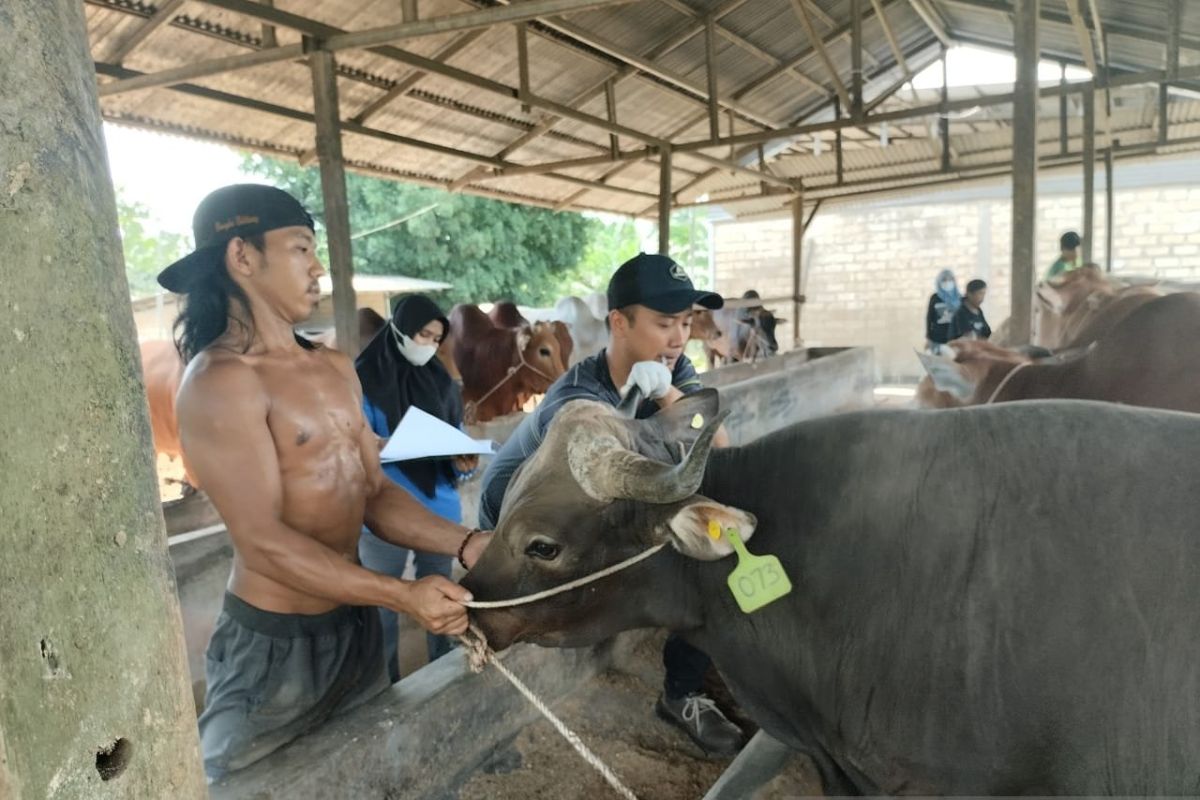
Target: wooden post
column 797, row 265
column 1063, row 132
column 944, row 116
column 1089, row 171
column 333, row 190
column 96, row 697
column 1024, row 199
column 664, row 202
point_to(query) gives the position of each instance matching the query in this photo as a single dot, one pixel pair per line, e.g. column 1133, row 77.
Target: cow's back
column 987, row 601
column 162, row 371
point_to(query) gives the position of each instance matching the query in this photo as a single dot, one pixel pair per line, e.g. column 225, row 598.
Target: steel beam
column 161, row 16
column 1109, row 206
column 530, row 9
column 664, row 202
column 710, row 52
column 932, row 21
column 856, row 55
column 1024, row 192
column 893, row 43
column 1063, row 132
column 802, row 12
column 1089, row 172
column 333, row 191
column 798, row 227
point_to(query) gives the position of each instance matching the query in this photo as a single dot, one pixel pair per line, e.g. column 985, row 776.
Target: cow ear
column 524, row 335
column 688, row 529
column 947, row 376
column 683, row 420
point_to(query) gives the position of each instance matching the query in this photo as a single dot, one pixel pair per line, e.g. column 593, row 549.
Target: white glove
column 652, row 377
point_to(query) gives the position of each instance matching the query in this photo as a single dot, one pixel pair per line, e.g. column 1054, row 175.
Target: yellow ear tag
column 697, row 424
column 757, row 580
column 714, row 530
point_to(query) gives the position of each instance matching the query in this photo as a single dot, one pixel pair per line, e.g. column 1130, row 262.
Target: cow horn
column 607, row 470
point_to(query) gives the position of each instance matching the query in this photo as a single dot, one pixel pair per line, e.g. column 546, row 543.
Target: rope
column 1005, row 381
column 479, row 655
column 566, row 587
column 471, row 407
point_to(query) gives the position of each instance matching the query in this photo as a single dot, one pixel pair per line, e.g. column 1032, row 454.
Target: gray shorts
column 273, row 677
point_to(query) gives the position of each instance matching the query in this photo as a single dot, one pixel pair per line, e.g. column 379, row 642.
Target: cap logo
column 232, row 223
column 677, row 273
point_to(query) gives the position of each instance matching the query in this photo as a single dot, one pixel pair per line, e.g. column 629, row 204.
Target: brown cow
column 1081, row 306
column 1150, row 358
column 162, row 370
column 369, row 323
column 505, row 314
column 502, row 368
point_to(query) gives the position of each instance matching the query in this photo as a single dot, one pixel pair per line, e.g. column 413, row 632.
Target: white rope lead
column 479, row 654
column 566, row 587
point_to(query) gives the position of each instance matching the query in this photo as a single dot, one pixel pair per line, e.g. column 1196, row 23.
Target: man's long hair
column 207, row 308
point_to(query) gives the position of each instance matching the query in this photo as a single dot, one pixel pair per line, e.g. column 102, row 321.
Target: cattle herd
column 995, row 600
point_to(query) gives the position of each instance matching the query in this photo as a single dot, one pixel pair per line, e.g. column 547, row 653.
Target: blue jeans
column 389, row 559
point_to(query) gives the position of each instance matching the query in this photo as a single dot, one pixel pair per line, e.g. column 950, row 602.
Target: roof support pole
column 610, row 102
column 664, row 201
column 269, row 39
column 1089, row 172
column 91, row 647
column 333, row 191
column 523, row 91
column 798, row 227
column 408, row 10
column 856, row 60
column 1063, row 135
column 1024, row 194
column 1174, row 20
column 710, row 51
column 944, row 115
column 837, row 140
column 1109, row 205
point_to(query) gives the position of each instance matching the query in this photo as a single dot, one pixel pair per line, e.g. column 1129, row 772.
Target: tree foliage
column 147, row 251
column 487, row 249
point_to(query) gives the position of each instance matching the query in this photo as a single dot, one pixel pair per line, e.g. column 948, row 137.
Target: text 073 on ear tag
column 757, row 580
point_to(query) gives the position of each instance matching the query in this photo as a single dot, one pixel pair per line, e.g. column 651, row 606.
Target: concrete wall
column 870, row 265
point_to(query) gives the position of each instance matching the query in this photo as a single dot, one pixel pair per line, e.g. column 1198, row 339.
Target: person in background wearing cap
column 1069, row 259
column 650, row 301
column 273, row 427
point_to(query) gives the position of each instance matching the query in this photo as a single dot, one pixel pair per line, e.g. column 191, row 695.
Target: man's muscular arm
column 396, row 516
column 222, row 411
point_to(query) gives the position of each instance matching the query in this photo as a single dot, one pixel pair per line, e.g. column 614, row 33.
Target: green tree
column 487, row 249
column 146, row 250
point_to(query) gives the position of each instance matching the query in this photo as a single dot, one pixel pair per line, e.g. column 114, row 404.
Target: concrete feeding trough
column 436, row 732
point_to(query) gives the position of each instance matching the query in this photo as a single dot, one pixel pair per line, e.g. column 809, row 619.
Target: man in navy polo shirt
column 650, row 301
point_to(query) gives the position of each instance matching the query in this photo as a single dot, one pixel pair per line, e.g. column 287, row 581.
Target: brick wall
column 870, row 267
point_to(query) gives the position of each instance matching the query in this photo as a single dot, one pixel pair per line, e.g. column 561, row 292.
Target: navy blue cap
column 240, row 210
column 657, row 282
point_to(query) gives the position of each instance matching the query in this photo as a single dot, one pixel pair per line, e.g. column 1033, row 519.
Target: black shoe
column 698, row 716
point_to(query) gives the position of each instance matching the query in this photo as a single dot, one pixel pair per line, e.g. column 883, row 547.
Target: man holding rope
column 650, row 302
column 273, row 428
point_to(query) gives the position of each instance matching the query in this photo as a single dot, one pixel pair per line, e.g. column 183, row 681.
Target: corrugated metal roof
column 767, row 68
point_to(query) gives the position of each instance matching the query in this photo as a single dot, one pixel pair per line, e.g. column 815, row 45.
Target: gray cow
column 996, row 600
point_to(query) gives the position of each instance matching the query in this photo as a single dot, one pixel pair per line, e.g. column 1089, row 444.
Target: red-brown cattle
column 162, row 370
column 1081, row 306
column 1150, row 358
column 502, row 368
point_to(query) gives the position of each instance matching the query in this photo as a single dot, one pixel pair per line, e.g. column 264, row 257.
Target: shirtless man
column 274, row 431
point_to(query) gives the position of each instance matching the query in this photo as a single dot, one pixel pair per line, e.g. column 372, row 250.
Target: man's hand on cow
column 652, row 377
column 436, row 604
column 475, row 547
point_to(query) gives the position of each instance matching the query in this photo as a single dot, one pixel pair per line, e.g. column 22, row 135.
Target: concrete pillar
column 333, row 190
column 664, row 202
column 1024, row 199
column 94, row 694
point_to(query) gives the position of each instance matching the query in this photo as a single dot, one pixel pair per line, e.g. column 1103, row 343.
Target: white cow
column 587, row 331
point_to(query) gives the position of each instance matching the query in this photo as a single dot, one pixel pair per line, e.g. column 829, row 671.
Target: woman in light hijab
column 943, row 304
column 398, row 369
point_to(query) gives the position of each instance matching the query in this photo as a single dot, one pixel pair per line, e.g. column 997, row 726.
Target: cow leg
column 759, row 762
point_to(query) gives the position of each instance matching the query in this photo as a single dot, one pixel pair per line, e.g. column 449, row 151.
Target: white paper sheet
column 422, row 435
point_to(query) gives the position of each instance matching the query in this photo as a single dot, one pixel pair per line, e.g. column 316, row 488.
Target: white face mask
column 948, row 286
column 416, row 354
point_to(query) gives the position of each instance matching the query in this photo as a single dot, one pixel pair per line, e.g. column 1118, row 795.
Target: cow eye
column 543, row 549
column 544, row 352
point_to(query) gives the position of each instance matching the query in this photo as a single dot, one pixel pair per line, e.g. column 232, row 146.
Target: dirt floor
column 614, row 715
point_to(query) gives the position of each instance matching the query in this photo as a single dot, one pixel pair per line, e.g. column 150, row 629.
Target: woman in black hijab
column 398, row 369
